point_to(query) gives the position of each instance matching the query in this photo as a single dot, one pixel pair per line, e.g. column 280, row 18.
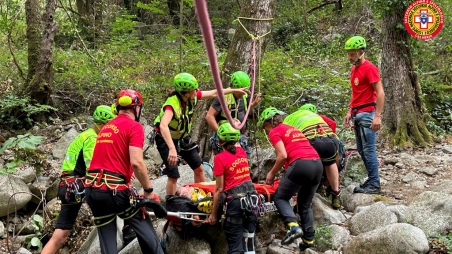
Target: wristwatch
column 148, row 190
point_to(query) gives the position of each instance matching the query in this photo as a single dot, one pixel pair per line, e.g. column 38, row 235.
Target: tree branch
column 324, row 4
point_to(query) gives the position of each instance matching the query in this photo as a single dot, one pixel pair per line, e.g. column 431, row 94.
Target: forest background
column 62, row 58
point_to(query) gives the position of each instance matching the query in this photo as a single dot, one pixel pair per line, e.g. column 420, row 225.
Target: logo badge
column 423, row 19
column 356, row 81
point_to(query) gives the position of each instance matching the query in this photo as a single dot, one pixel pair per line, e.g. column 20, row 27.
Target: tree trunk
column 39, row 87
column 403, row 116
column 34, row 28
column 90, row 19
column 240, row 52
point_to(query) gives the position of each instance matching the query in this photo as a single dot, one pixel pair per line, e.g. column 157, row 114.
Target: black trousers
column 103, row 203
column 302, row 176
column 235, row 224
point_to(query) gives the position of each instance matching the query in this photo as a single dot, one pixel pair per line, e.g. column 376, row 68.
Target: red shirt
column 361, row 79
column 112, row 145
column 296, row 144
column 330, row 122
column 233, row 167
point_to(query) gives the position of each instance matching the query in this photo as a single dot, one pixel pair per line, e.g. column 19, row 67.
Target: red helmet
column 128, row 99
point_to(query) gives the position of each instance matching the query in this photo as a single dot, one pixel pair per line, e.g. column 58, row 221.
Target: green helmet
column 240, row 79
column 103, row 114
column 310, row 107
column 356, row 42
column 267, row 114
column 185, row 82
column 227, row 133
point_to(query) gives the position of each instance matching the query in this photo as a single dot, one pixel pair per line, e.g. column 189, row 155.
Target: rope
column 181, row 30
column 206, row 30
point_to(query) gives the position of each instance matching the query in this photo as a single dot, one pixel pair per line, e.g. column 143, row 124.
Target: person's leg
column 194, row 161
column 65, row 222
column 288, row 185
column 369, row 152
column 233, row 227
column 249, row 227
column 312, row 173
column 57, row 241
column 147, row 237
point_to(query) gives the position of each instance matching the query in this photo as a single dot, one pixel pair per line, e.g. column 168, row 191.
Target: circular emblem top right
column 423, row 19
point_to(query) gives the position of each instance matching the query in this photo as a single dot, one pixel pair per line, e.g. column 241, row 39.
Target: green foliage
column 322, row 238
column 17, row 111
column 442, row 243
column 34, row 241
column 24, row 149
column 154, row 6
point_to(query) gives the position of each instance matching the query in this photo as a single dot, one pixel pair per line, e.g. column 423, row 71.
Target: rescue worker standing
column 119, row 154
column 173, row 127
column 71, row 189
column 234, row 187
column 237, row 107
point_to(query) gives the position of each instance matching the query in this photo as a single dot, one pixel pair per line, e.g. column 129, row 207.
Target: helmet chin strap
column 137, row 116
column 359, row 59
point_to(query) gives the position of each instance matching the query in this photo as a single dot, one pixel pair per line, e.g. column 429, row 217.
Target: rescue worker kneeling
column 236, row 192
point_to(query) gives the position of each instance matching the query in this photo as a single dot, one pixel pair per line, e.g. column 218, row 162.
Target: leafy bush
column 34, row 240
column 18, row 111
column 24, row 149
column 322, row 238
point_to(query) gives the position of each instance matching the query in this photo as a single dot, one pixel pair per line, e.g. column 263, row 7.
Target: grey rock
column 444, row 186
column 132, row 248
column 2, row 230
column 420, row 184
column 22, row 250
column 400, row 238
column 26, row 174
column 14, row 194
column 92, row 244
column 447, row 149
column 190, row 245
column 357, row 199
column 323, row 213
column 339, row 236
column 376, row 216
column 400, row 211
column 60, row 147
column 52, row 190
column 411, row 177
column 431, row 212
column 430, row 171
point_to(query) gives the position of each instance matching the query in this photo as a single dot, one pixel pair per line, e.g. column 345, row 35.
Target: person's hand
column 212, row 220
column 172, row 156
column 270, row 178
column 257, row 99
column 376, row 123
column 240, row 92
column 347, row 120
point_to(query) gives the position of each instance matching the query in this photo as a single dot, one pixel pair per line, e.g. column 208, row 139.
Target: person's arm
column 210, row 118
column 281, row 157
column 216, row 199
column 376, row 122
column 213, row 93
column 139, row 168
column 257, row 99
column 164, row 130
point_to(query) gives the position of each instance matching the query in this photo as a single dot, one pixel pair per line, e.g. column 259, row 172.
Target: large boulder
column 191, row 245
column 324, row 214
column 431, row 212
column 60, row 147
column 397, row 238
column 377, row 215
column 92, row 244
column 14, row 194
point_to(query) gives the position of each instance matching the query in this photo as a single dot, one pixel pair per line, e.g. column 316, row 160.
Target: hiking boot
column 335, row 199
column 367, row 190
column 294, row 233
column 305, row 244
column 362, row 185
